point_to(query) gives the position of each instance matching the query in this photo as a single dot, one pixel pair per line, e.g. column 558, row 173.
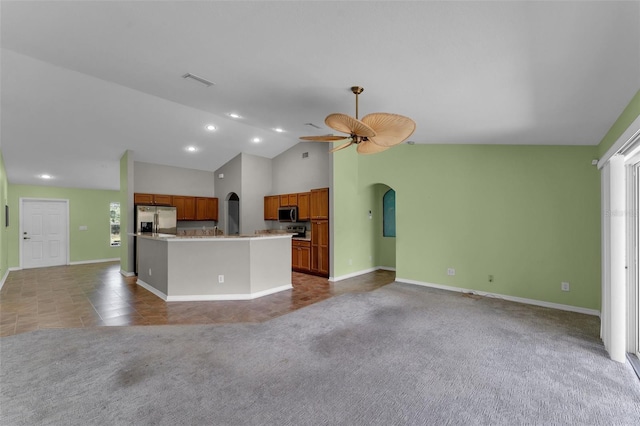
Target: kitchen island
column 190, row 268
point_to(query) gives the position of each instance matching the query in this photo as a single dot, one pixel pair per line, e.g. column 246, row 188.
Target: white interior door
column 44, row 233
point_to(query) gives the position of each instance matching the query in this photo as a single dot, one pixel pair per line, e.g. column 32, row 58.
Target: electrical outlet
column 350, row 262
column 451, row 271
column 220, row 279
column 564, row 286
column 149, row 271
column 490, row 278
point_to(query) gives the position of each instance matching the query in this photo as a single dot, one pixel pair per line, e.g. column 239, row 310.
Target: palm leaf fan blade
column 347, row 124
column 322, row 138
column 368, row 147
column 343, row 146
column 390, row 129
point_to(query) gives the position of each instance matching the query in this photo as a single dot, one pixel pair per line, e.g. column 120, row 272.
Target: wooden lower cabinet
column 320, row 247
column 301, row 256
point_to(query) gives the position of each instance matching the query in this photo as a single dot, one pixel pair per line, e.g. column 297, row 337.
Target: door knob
column 26, row 238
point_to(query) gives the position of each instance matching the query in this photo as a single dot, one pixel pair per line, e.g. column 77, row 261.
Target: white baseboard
column 211, row 297
column 126, row 273
column 84, row 262
column 220, row 297
column 6, row 274
column 542, row 303
column 153, row 290
column 362, row 272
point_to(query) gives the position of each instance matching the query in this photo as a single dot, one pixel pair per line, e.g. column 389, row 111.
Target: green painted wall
column 4, row 240
column 630, row 113
column 88, row 207
column 529, row 215
column 123, row 196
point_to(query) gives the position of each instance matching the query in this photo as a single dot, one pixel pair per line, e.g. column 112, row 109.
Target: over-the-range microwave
column 288, row 214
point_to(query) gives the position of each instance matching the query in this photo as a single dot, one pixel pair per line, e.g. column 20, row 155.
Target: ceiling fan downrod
column 356, row 91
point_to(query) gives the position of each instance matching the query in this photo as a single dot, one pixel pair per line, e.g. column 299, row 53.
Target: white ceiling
column 84, row 81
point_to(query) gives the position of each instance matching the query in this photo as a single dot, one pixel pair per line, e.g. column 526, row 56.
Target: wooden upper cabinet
column 271, row 204
column 288, row 200
column 303, row 206
column 319, row 204
column 213, row 208
column 164, row 200
column 142, row 198
column 206, row 208
column 152, row 199
column 185, row 207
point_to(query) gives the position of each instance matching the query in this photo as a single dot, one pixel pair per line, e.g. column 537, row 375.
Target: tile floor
column 95, row 295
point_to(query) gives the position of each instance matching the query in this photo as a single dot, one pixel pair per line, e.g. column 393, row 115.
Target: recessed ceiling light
column 210, row 127
column 256, row 140
column 46, row 176
column 278, row 129
column 233, row 115
column 192, row 149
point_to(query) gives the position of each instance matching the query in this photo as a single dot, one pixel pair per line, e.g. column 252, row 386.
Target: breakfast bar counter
column 190, row 268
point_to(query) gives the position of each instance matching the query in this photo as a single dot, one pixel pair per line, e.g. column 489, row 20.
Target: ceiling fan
column 376, row 132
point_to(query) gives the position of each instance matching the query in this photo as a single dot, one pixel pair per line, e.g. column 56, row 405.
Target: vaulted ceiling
column 84, row 81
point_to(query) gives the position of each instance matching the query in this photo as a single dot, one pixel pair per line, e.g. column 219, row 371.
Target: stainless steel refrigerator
column 154, row 220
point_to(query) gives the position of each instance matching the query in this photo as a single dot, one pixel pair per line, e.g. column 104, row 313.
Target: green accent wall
column 528, row 215
column 87, row 207
column 630, row 113
column 4, row 240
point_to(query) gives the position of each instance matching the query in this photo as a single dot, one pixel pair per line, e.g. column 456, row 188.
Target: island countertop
column 171, row 237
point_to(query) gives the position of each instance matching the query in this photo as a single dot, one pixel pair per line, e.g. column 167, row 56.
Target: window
column 389, row 214
column 114, row 224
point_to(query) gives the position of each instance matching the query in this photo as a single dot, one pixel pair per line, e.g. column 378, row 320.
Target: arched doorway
column 384, row 225
column 233, row 214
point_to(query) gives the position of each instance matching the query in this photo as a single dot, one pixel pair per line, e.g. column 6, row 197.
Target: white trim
column 152, row 289
column 126, row 273
column 632, row 132
column 15, row 268
column 20, row 230
column 216, row 297
column 358, row 273
column 211, row 297
column 542, row 303
column 84, row 262
column 6, row 274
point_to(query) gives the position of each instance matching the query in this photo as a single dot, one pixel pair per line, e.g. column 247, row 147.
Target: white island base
column 214, row 268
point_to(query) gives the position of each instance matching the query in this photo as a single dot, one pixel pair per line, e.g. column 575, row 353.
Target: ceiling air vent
column 198, row 79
